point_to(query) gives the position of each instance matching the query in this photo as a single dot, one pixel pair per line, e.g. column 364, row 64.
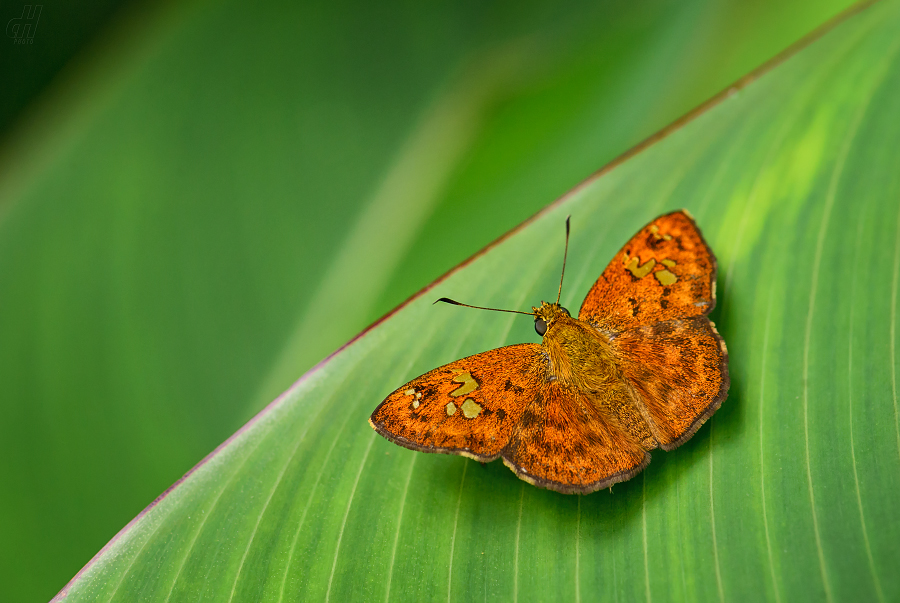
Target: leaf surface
column 787, row 493
column 204, row 178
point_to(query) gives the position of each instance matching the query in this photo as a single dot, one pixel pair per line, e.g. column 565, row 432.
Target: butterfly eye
column 540, row 326
column 564, row 310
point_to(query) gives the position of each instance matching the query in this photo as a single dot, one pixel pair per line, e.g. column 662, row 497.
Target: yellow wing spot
column 665, row 277
column 416, row 403
column 471, row 408
column 668, row 263
column 640, row 271
column 409, row 392
column 468, row 386
column 451, row 409
column 654, row 230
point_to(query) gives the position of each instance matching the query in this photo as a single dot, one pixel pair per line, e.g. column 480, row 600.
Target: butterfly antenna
column 565, row 253
column 447, row 300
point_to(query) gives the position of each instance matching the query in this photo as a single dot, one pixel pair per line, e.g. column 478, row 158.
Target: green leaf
column 188, row 188
column 787, row 494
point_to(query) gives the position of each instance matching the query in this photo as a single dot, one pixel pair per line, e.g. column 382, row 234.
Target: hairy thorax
column 580, row 356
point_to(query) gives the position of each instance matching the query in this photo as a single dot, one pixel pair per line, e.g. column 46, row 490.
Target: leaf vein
column 817, row 262
column 337, row 548
column 387, row 593
column 762, row 466
column 862, row 517
column 266, row 506
column 462, row 481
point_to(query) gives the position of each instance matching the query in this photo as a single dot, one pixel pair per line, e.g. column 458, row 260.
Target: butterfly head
column 546, row 315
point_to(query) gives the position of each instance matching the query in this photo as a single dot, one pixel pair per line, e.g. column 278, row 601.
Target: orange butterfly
column 641, row 367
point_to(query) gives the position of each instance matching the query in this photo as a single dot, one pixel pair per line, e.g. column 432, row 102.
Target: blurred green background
column 200, row 201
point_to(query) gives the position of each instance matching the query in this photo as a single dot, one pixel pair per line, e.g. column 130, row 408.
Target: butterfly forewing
column 468, row 407
column 665, row 271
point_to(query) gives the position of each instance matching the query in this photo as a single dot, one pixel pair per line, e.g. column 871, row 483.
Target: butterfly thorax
column 580, row 356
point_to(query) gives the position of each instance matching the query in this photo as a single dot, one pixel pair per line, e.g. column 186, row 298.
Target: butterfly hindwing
column 468, row 407
column 565, row 442
column 679, row 371
column 665, row 271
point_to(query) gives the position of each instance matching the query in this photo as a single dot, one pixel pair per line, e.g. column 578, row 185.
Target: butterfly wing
column 468, row 407
column 503, row 403
column 566, row 442
column 652, row 301
column 665, row 271
column 679, row 371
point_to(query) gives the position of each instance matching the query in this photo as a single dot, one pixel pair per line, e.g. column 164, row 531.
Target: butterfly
column 640, row 368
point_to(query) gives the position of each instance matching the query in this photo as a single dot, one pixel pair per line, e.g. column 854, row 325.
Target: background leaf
column 787, row 493
column 196, row 182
